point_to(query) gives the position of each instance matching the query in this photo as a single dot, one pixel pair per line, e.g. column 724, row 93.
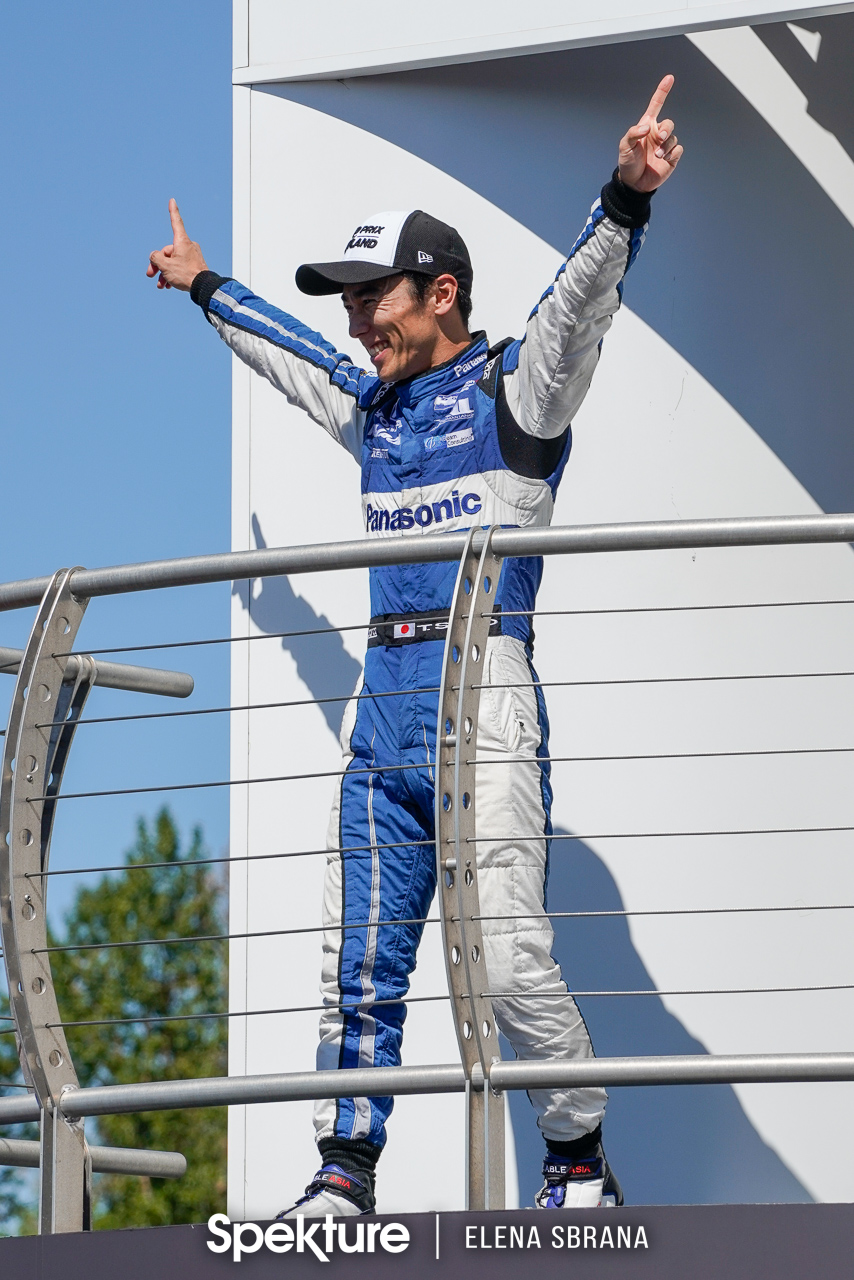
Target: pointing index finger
column 178, row 229
column 657, row 100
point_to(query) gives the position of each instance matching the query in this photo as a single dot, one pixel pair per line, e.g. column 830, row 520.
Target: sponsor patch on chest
column 384, row 431
column 452, row 440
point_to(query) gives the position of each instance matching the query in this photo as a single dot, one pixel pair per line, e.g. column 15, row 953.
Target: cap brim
column 331, row 277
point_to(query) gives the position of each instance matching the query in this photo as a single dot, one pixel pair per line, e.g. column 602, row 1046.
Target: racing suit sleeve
column 299, row 362
column 560, row 349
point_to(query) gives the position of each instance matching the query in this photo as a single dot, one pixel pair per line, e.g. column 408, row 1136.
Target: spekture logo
column 319, row 1238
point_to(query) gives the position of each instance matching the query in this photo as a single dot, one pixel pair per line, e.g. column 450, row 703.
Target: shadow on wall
column 685, row 1145
column 727, row 286
column 689, row 1144
column 323, row 664
column 823, row 72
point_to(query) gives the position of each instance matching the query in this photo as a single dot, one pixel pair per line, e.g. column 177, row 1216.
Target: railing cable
column 249, row 706
column 495, row 995
column 401, row 844
column 242, row 857
column 267, row 635
column 652, row 991
column 668, row 755
column 399, row 768
column 230, row 782
column 245, row 1013
column 665, row 608
column 399, row 693
column 506, row 613
column 339, row 926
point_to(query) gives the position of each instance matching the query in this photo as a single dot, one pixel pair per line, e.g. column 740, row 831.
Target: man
column 449, row 433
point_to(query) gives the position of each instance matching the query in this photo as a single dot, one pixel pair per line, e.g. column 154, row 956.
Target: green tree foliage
column 169, row 899
column 17, row 1210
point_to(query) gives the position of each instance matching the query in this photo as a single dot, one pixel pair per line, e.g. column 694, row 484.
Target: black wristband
column 624, row 205
column 204, row 287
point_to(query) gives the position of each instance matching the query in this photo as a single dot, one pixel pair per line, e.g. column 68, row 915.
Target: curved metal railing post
column 456, row 861
column 45, row 709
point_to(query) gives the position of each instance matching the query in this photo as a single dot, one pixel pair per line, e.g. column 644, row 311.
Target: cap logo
column 424, row 257
column 364, row 238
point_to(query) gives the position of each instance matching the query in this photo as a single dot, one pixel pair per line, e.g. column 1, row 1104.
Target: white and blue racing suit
column 481, row 440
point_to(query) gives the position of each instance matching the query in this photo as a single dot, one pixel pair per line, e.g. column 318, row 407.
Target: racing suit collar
column 458, row 368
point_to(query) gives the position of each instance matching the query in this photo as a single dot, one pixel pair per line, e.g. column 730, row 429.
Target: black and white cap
column 387, row 243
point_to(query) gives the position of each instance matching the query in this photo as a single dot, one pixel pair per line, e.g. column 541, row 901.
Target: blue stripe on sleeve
column 238, row 306
column 637, row 238
column 597, row 213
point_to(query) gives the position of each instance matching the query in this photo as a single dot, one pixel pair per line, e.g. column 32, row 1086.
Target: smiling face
column 403, row 335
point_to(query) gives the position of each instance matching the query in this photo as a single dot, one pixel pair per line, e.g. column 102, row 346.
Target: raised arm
column 560, row 349
column 297, row 361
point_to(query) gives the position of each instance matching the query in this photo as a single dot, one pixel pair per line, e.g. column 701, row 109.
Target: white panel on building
column 723, row 389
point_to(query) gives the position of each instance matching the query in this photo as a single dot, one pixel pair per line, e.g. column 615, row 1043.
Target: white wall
column 654, row 440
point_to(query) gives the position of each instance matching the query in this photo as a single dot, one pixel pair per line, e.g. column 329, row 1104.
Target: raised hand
column 650, row 152
column 177, row 263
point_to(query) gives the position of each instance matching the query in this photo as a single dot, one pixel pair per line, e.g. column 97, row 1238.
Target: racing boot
column 337, row 1191
column 577, row 1176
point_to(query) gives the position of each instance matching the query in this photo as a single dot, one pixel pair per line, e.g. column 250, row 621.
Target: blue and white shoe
column 333, row 1190
column 580, row 1183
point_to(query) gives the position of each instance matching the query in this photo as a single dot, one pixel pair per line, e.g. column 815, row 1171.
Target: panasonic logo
column 402, row 518
column 460, row 369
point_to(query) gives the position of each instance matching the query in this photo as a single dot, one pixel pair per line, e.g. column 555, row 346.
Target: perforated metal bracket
column 43, row 717
column 456, row 745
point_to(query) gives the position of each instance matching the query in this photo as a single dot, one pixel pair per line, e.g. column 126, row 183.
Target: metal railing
column 52, row 685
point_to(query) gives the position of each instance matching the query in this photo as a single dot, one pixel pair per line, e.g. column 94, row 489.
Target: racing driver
column 449, row 432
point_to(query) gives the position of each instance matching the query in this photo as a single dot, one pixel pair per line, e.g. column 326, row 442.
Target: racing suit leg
column 376, row 807
column 368, row 885
column 513, row 800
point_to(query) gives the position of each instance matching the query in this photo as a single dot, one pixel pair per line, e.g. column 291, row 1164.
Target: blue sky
column 114, row 397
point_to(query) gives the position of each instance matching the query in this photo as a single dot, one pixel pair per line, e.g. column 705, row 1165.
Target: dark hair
column 419, row 283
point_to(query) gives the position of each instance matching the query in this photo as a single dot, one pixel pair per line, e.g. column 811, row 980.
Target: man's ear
column 446, row 294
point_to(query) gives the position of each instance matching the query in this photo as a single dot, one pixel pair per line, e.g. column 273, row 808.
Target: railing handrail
column 57, row 1096
column 113, row 675
column 214, row 1091
column 22, row 1153
column 654, row 535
